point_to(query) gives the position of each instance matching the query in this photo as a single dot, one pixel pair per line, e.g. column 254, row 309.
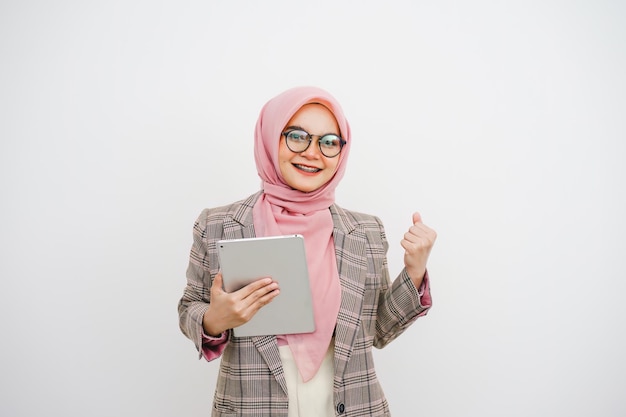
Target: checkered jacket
column 373, row 312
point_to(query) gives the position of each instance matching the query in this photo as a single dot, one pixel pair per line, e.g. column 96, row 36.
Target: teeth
column 307, row 169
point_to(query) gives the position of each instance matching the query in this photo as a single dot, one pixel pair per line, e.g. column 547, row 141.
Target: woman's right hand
column 229, row 310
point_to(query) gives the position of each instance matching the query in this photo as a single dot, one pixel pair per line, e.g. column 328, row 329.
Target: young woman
column 302, row 143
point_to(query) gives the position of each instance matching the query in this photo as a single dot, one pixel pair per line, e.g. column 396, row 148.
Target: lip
column 306, row 169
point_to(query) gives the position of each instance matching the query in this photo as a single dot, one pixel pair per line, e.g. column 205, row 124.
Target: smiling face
column 309, row 170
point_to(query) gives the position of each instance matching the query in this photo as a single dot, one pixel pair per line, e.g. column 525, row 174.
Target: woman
column 302, row 142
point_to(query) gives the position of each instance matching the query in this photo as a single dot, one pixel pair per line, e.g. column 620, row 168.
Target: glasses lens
column 330, row 145
column 297, row 140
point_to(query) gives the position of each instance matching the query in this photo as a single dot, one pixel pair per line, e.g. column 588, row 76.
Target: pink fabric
column 282, row 210
column 212, row 347
column 423, row 291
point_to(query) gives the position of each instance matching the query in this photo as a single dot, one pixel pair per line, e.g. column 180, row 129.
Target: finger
column 417, row 232
column 406, row 245
column 258, row 285
column 258, row 294
column 417, row 218
column 419, row 235
column 217, row 285
column 258, row 299
column 266, row 298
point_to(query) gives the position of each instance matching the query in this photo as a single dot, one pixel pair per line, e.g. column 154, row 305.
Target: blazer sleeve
column 196, row 297
column 400, row 303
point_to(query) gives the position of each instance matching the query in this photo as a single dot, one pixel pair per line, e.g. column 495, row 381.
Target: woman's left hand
column 417, row 243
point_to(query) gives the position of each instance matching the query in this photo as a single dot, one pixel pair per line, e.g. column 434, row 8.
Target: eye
column 330, row 141
column 298, row 136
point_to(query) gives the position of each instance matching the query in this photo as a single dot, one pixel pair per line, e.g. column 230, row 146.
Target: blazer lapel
column 352, row 265
column 239, row 224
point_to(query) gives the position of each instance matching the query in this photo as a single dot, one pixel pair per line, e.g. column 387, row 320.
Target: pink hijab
column 282, row 210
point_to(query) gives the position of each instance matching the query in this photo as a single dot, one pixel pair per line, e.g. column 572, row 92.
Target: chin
column 305, row 188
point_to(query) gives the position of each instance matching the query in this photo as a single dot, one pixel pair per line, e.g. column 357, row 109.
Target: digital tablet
column 283, row 258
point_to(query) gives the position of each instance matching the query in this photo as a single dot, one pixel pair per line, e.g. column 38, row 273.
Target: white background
column 502, row 122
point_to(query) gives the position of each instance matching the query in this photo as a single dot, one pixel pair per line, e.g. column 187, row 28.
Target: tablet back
column 283, row 258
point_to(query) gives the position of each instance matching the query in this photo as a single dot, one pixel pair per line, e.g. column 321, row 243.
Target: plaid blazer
column 373, row 312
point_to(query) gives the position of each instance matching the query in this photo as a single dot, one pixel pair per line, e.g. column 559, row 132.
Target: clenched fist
column 417, row 243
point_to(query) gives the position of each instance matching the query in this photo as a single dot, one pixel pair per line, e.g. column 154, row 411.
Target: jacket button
column 341, row 408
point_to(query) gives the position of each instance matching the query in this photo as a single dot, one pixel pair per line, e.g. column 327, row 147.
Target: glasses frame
column 310, row 137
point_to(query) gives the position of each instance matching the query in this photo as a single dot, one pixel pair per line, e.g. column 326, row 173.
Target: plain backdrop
column 502, row 122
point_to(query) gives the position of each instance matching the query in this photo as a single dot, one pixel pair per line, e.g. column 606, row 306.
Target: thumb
column 217, row 283
column 417, row 218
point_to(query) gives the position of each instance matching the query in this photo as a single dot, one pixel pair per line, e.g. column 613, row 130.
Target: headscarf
column 281, row 210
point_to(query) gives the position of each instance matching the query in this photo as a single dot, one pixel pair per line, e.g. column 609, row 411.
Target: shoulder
column 362, row 227
column 241, row 209
column 355, row 216
column 351, row 219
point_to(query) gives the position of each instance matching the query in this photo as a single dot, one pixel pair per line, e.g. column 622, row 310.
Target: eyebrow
column 301, row 128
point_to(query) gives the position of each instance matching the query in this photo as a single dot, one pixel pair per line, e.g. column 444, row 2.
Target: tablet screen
column 283, row 258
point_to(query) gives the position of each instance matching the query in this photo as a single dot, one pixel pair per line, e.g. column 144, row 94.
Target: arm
column 399, row 306
column 408, row 297
column 195, row 301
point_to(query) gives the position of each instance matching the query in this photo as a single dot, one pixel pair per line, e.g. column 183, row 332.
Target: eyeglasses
column 299, row 140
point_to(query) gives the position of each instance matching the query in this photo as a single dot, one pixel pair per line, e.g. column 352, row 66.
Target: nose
column 313, row 151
